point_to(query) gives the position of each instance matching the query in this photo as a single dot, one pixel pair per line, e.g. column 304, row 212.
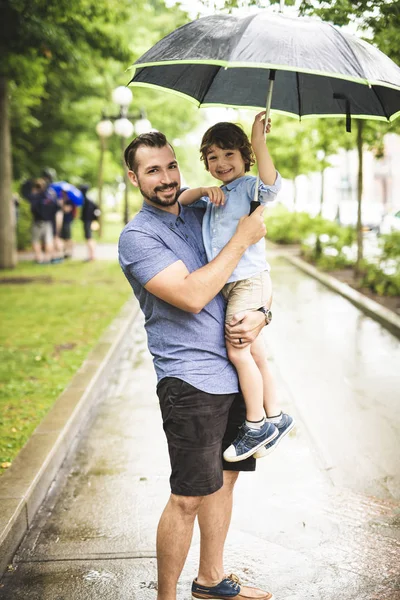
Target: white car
column 390, row 223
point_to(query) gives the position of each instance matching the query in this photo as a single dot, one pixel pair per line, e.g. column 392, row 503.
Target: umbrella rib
column 210, row 84
column 298, row 94
column 381, row 103
column 343, row 37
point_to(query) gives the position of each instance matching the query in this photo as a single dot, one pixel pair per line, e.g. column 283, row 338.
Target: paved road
column 319, row 520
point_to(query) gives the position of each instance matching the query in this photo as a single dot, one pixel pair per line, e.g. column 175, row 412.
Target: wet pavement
column 320, row 519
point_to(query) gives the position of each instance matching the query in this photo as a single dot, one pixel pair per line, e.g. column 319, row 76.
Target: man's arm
column 192, row 291
column 265, row 163
column 215, row 194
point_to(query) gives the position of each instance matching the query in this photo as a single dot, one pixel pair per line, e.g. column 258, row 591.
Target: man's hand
column 215, row 194
column 251, row 229
column 244, row 326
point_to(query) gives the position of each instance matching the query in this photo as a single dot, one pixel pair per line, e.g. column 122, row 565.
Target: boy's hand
column 257, row 132
column 215, row 194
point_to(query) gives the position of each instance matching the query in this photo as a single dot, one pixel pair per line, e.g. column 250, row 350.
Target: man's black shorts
column 87, row 229
column 199, row 427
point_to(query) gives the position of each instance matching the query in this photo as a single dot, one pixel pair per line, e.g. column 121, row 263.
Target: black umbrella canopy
column 320, row 70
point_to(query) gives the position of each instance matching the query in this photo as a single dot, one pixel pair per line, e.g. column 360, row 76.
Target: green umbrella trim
column 265, row 66
column 274, row 110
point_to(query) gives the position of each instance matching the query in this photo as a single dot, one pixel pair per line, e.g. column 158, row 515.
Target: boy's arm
column 215, row 194
column 265, row 164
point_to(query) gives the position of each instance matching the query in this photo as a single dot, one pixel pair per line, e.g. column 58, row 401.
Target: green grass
column 110, row 234
column 49, row 324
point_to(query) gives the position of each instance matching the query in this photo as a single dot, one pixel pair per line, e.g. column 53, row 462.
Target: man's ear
column 133, row 178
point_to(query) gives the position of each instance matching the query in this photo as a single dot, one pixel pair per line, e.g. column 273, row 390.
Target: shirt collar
column 163, row 215
column 233, row 184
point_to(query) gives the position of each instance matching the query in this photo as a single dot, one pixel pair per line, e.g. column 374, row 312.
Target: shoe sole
column 207, row 597
column 264, row 452
column 253, row 450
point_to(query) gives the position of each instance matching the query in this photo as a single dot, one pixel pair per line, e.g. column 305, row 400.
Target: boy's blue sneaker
column 248, row 441
column 229, row 588
column 285, row 425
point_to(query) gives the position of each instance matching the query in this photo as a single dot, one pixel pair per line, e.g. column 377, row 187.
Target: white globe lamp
column 104, row 128
column 124, row 128
column 122, row 96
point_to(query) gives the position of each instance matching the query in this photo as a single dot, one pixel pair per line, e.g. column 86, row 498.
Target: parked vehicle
column 390, row 223
column 371, row 215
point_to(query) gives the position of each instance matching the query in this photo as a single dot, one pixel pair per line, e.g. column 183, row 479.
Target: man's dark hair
column 227, row 136
column 154, row 139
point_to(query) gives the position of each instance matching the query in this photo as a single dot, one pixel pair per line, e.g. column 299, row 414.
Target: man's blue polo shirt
column 184, row 345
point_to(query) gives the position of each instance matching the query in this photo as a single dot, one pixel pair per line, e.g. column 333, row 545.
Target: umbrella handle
column 272, row 74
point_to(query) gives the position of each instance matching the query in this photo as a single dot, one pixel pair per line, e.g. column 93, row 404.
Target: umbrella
column 72, row 192
column 319, row 70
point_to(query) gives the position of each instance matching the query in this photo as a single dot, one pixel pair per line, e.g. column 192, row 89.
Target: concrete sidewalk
column 103, row 252
column 319, row 520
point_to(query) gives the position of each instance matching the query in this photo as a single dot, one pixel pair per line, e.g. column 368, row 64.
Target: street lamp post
column 122, row 125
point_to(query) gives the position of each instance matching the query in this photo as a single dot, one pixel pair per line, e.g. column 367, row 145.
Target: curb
column 24, row 486
column 376, row 311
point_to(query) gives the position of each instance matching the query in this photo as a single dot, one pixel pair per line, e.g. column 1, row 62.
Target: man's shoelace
column 234, row 581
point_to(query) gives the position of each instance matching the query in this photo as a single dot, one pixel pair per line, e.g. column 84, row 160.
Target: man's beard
column 162, row 188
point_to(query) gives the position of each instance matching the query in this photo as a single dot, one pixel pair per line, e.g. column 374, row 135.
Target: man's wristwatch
column 267, row 314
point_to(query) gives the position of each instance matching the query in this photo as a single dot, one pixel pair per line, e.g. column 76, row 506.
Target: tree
column 60, row 61
column 379, row 21
column 35, row 36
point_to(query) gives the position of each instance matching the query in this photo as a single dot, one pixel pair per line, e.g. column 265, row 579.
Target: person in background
column 49, row 176
column 44, row 205
column 68, row 213
column 90, row 212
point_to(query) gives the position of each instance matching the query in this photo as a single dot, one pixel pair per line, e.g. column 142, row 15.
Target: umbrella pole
column 267, row 113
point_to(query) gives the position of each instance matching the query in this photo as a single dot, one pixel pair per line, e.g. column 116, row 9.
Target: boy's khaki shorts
column 247, row 294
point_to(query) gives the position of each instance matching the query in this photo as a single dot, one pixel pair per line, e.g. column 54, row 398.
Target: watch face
column 268, row 316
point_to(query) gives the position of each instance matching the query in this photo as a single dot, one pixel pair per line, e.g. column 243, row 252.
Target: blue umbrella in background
column 72, row 192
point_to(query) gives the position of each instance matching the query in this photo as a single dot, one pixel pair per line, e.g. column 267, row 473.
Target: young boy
column 228, row 155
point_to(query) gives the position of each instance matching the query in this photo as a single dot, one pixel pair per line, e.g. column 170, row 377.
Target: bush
column 330, row 246
column 391, row 245
column 285, row 227
column 380, row 279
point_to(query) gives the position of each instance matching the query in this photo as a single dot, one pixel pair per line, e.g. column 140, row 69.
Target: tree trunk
column 8, row 250
column 360, row 126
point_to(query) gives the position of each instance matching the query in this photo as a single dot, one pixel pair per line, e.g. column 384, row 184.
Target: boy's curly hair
column 227, row 136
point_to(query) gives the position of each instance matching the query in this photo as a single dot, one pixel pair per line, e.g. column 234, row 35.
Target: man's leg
column 214, row 519
column 174, row 534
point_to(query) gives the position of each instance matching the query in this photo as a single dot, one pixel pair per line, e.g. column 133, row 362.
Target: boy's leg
column 282, row 421
column 258, row 351
column 174, row 535
column 251, row 383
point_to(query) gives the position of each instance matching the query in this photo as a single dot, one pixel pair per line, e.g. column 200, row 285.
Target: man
column 162, row 255
column 44, row 206
column 89, row 213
